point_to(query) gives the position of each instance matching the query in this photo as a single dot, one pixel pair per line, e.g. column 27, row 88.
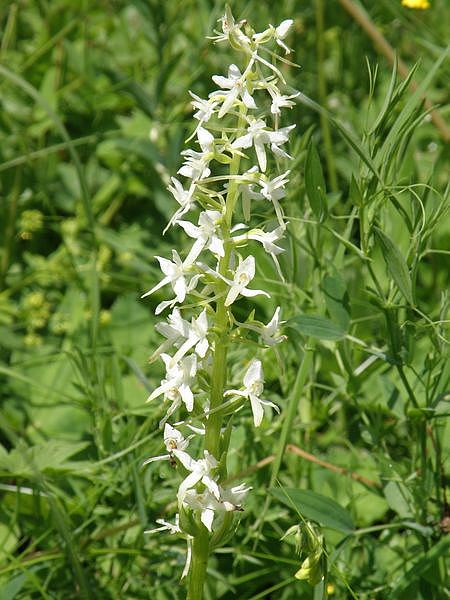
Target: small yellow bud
column 418, row 4
column 105, row 317
column 34, row 300
column 32, row 340
column 30, row 221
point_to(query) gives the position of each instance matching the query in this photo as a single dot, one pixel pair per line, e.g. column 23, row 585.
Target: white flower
column 177, row 384
column 273, row 190
column 280, row 101
column 258, row 135
column 205, row 502
column 242, row 277
column 205, row 108
column 236, row 85
column 200, row 471
column 269, row 332
column 196, row 164
column 175, row 327
column 232, row 498
column 266, row 238
column 276, row 33
column 232, row 32
column 184, row 198
column 253, row 388
column 174, row 272
column 173, row 440
column 172, row 528
column 196, row 336
column 208, row 504
column 206, row 235
column 281, row 32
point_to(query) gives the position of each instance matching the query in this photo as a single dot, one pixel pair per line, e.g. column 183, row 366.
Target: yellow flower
column 420, row 4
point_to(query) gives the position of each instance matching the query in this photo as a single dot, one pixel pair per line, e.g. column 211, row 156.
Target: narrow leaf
column 396, row 264
column 421, row 566
column 314, row 506
column 317, row 327
column 315, row 183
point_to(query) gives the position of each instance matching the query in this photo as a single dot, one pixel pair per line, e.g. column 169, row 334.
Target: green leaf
column 348, row 135
column 399, row 127
column 420, row 568
column 9, row 590
column 315, row 183
column 396, row 264
column 317, row 327
column 336, row 299
column 316, row 507
column 50, row 456
column 399, row 498
column 355, row 193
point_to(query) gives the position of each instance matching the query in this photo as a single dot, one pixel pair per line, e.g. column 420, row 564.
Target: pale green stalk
column 200, row 554
column 201, row 541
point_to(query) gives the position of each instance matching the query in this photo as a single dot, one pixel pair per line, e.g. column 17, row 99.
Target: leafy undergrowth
column 94, row 115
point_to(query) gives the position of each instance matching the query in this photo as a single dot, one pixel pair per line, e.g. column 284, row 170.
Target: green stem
column 395, row 343
column 322, row 93
column 10, row 229
column 201, row 541
column 200, row 553
column 219, row 368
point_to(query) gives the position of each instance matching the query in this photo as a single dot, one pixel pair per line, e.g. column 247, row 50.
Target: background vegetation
column 94, row 114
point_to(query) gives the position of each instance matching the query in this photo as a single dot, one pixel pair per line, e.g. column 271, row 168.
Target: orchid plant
column 238, row 131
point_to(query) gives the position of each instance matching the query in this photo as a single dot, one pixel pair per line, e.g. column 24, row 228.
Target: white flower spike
column 234, row 165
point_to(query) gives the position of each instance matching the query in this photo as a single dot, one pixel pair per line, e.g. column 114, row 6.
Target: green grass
column 363, row 380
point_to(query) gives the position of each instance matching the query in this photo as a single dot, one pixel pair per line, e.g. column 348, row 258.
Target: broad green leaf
column 142, row 148
column 317, row 327
column 314, row 506
column 315, row 183
column 51, row 456
column 442, row 408
column 336, row 299
column 9, row 590
column 396, row 264
column 399, row 498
